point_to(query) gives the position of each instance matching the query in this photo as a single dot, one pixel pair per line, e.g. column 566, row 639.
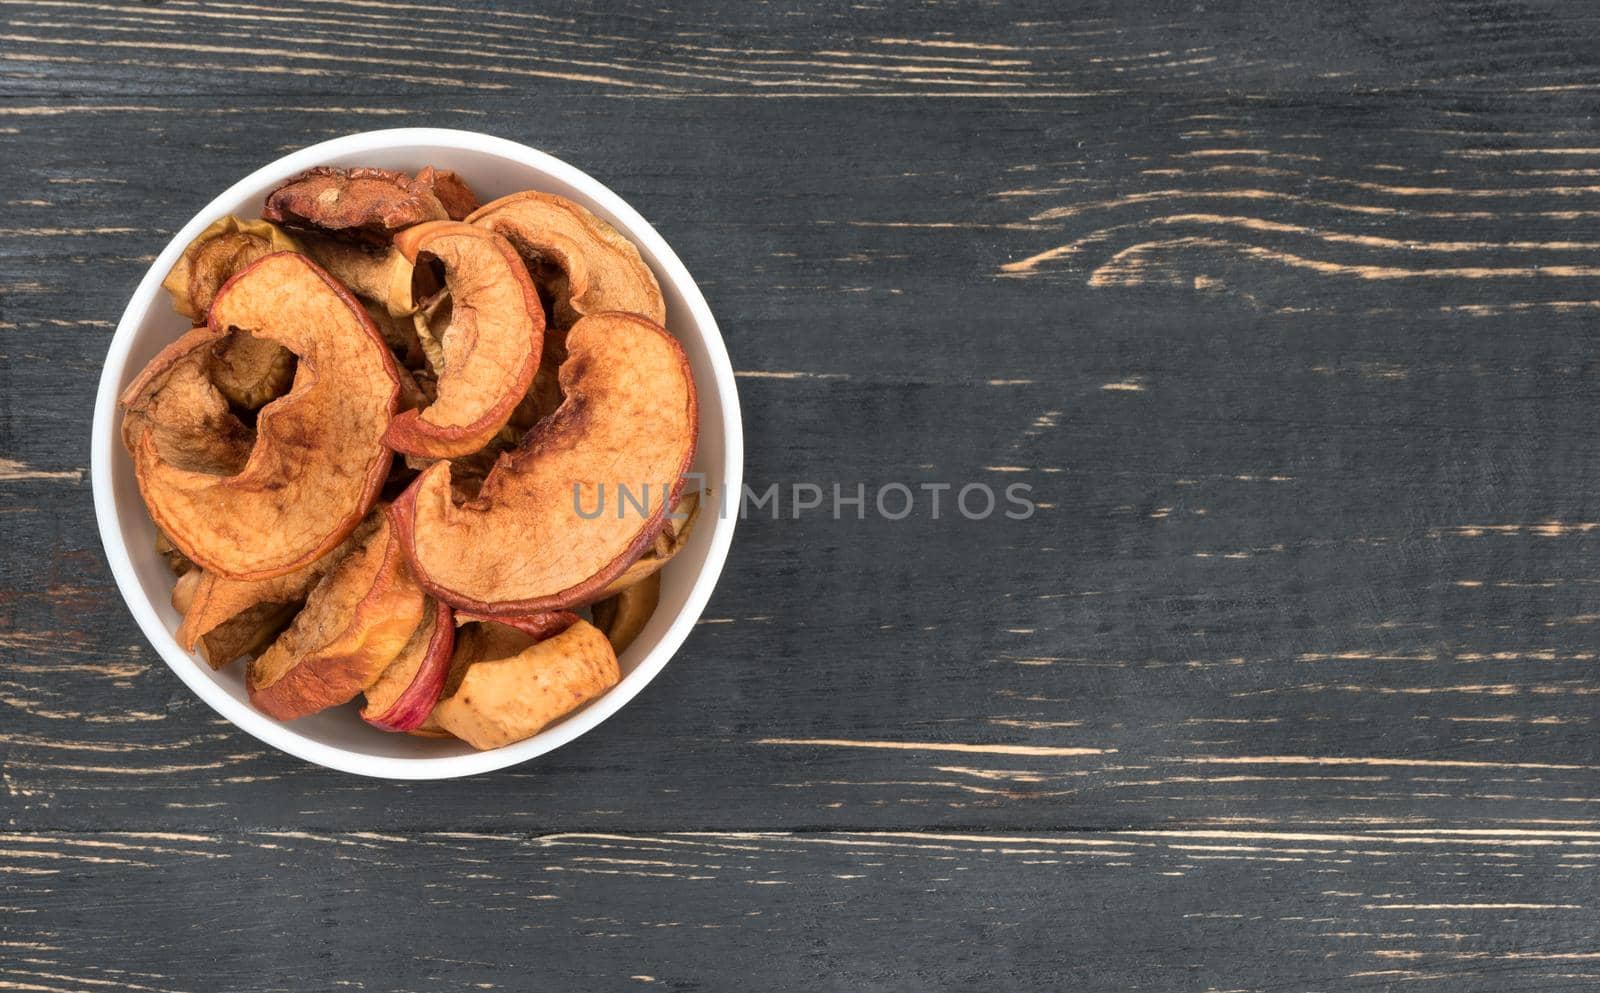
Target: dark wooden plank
column 1209, row 910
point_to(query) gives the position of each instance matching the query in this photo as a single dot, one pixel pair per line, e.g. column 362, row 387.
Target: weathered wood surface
column 1286, row 313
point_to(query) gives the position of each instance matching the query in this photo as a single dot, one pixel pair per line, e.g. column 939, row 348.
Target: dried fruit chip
column 318, row 460
column 380, row 275
column 452, row 191
column 624, row 615
column 363, row 204
column 405, row 693
column 489, row 350
column 243, row 634
column 587, row 265
column 174, row 410
column 216, row 600
column 499, row 699
column 354, row 624
column 523, row 546
column 222, row 249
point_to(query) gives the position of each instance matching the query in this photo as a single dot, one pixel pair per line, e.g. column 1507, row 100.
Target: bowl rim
column 283, row 736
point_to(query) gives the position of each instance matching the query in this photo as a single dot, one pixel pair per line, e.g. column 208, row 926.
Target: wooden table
column 1287, row 316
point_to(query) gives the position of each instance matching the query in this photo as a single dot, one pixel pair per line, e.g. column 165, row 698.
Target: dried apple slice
column 588, row 266
column 174, row 410
column 499, row 699
column 630, row 418
column 222, row 249
column 318, row 460
column 243, row 634
column 355, row 622
column 452, row 191
column 363, row 204
column 215, row 600
column 624, row 615
column 380, row 274
column 490, row 348
column 406, row 692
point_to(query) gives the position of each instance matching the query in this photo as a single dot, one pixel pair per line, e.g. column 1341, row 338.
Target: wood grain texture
column 878, row 911
column 1285, row 313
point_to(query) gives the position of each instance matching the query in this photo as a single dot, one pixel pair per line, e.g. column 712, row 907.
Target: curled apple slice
column 353, row 625
column 318, row 459
column 490, row 348
column 585, row 262
column 243, row 634
column 215, row 600
column 174, row 410
column 498, row 698
column 378, row 274
column 453, row 192
column 363, row 204
column 531, row 540
column 222, row 249
column 405, row 693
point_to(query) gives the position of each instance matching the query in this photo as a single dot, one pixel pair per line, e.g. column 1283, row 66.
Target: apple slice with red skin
column 355, row 623
column 404, row 695
column 490, row 349
column 594, row 268
column 536, row 626
column 522, row 547
column 318, row 460
column 363, row 204
column 486, row 637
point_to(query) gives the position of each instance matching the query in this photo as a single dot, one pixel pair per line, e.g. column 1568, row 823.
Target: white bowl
column 337, row 738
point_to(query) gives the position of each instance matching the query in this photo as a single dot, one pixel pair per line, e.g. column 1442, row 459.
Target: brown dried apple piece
column 452, row 191
column 174, row 410
column 215, row 600
column 587, row 266
column 490, row 348
column 362, row 204
column 222, row 249
column 405, row 693
column 243, row 634
column 667, row 544
column 355, row 622
column 379, row 274
column 318, row 460
column 501, row 698
column 630, row 419
column 429, row 324
column 623, row 615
